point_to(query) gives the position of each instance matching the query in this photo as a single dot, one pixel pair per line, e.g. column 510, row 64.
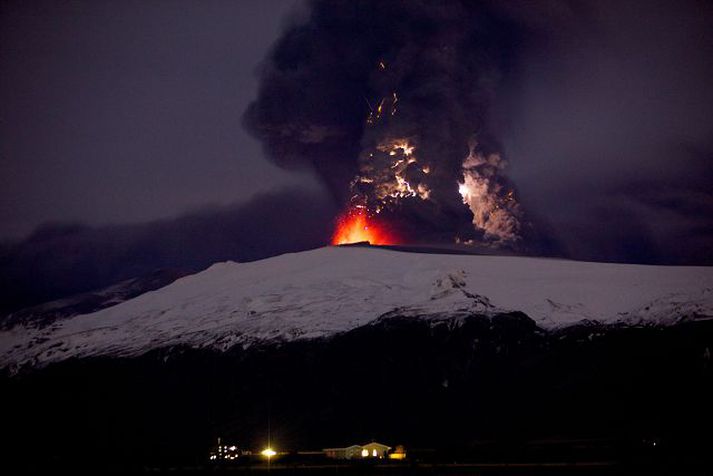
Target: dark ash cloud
column 60, row 260
column 609, row 132
column 340, row 91
column 601, row 109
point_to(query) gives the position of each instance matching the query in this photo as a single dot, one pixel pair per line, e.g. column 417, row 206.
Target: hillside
column 335, row 289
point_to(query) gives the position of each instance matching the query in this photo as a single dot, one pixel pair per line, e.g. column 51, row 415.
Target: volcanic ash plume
column 388, row 102
column 495, row 210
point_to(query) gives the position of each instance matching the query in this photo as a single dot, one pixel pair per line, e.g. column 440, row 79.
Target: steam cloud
column 389, row 103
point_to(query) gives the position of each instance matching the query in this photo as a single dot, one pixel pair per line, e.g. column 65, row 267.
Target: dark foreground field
column 552, row 469
column 500, row 396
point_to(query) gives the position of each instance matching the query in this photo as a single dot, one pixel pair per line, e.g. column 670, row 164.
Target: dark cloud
column 597, row 107
column 340, row 89
column 59, row 260
column 609, row 132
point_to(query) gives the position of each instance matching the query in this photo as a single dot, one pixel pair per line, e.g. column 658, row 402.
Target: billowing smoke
column 389, row 102
column 490, row 198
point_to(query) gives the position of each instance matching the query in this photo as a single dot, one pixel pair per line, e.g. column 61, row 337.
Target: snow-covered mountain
column 330, row 290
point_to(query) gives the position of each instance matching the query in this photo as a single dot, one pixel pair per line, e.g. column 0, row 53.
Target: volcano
column 327, row 291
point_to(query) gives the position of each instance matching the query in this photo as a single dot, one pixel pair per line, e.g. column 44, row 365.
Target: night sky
column 148, row 134
column 124, row 112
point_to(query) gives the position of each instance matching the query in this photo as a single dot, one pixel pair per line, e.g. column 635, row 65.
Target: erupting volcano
column 355, row 227
column 398, row 129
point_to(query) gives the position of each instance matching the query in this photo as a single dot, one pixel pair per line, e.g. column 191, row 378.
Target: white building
column 371, row 450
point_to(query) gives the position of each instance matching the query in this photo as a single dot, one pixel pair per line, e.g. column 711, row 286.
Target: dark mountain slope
column 473, row 389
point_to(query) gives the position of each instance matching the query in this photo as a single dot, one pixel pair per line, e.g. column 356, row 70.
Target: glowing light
column 364, row 453
column 380, row 108
column 405, row 147
column 396, row 146
column 464, row 192
column 268, row 452
column 354, row 227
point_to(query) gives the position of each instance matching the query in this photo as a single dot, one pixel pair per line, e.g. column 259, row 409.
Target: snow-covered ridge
column 329, row 290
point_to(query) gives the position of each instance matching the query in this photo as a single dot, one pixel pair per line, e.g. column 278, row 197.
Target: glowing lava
column 354, row 227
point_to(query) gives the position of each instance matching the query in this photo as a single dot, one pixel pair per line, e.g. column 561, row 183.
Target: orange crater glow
column 355, row 227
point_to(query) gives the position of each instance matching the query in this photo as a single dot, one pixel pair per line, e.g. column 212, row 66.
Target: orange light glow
column 354, row 227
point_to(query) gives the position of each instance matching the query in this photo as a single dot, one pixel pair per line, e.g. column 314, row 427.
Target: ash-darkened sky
column 144, row 134
column 128, row 111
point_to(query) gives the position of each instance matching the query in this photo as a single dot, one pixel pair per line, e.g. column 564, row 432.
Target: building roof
column 374, row 443
column 341, row 449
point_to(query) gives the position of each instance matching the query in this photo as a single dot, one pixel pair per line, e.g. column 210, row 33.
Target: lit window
column 364, row 453
column 373, row 453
